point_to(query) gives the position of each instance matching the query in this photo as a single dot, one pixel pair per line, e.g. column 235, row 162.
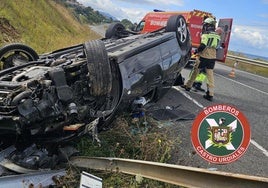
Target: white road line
column 263, row 92
column 263, row 150
column 188, row 97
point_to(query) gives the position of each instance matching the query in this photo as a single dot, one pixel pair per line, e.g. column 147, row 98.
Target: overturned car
column 61, row 95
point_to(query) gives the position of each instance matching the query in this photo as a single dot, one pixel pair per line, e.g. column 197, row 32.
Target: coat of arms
column 220, row 135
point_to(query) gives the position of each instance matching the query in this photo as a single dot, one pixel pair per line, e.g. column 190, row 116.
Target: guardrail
column 174, row 174
column 248, row 61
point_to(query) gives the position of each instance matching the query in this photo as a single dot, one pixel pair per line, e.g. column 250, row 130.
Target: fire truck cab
column 157, row 19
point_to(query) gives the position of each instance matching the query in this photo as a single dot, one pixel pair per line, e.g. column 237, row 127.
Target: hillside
column 86, row 14
column 45, row 25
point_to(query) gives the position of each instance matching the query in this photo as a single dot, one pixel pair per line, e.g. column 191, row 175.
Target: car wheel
column 99, row 68
column 16, row 54
column 177, row 23
column 116, row 31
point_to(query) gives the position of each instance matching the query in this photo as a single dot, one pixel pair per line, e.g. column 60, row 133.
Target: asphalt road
column 100, row 29
column 248, row 93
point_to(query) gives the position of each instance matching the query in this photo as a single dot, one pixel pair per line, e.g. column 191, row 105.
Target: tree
column 128, row 24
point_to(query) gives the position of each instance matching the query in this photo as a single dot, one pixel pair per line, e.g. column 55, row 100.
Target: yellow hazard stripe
column 201, row 13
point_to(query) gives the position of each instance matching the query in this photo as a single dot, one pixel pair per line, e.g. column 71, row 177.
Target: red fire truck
column 156, row 20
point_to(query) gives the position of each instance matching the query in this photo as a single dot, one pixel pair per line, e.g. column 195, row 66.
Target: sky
column 250, row 17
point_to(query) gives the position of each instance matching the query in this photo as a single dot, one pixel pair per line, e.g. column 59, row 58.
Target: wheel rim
column 14, row 58
column 182, row 30
column 119, row 31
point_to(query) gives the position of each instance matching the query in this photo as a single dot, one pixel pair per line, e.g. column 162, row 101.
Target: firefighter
column 201, row 77
column 207, row 57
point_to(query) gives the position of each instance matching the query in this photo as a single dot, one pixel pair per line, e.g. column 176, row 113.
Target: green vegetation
column 89, row 15
column 45, row 25
column 85, row 14
column 131, row 138
column 247, row 67
column 128, row 24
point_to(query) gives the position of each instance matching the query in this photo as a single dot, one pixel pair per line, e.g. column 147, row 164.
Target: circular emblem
column 220, row 134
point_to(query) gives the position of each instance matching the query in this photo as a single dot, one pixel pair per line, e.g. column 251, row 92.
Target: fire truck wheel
column 16, row 54
column 99, row 69
column 178, row 24
column 115, row 30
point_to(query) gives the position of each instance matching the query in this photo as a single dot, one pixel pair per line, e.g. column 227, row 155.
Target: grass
column 130, row 138
column 44, row 25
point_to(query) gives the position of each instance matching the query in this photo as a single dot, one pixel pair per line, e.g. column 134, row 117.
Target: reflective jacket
column 209, row 43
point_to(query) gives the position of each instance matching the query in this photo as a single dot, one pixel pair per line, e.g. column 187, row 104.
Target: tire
column 99, row 68
column 177, row 23
column 12, row 52
column 115, row 31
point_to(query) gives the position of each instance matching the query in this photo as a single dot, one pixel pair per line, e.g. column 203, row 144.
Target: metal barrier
column 248, row 61
column 174, row 174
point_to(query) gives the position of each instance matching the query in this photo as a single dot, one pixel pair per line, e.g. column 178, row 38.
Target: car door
column 226, row 25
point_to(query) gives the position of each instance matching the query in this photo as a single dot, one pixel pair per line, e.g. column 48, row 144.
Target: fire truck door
column 226, row 25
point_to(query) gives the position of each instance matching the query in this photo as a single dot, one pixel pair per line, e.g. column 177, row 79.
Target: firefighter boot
column 208, row 97
column 186, row 88
column 197, row 86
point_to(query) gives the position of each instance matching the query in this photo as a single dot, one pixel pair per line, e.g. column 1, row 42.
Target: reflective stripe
column 211, row 40
column 201, row 77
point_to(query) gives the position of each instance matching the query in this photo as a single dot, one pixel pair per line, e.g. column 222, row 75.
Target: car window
column 140, row 26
